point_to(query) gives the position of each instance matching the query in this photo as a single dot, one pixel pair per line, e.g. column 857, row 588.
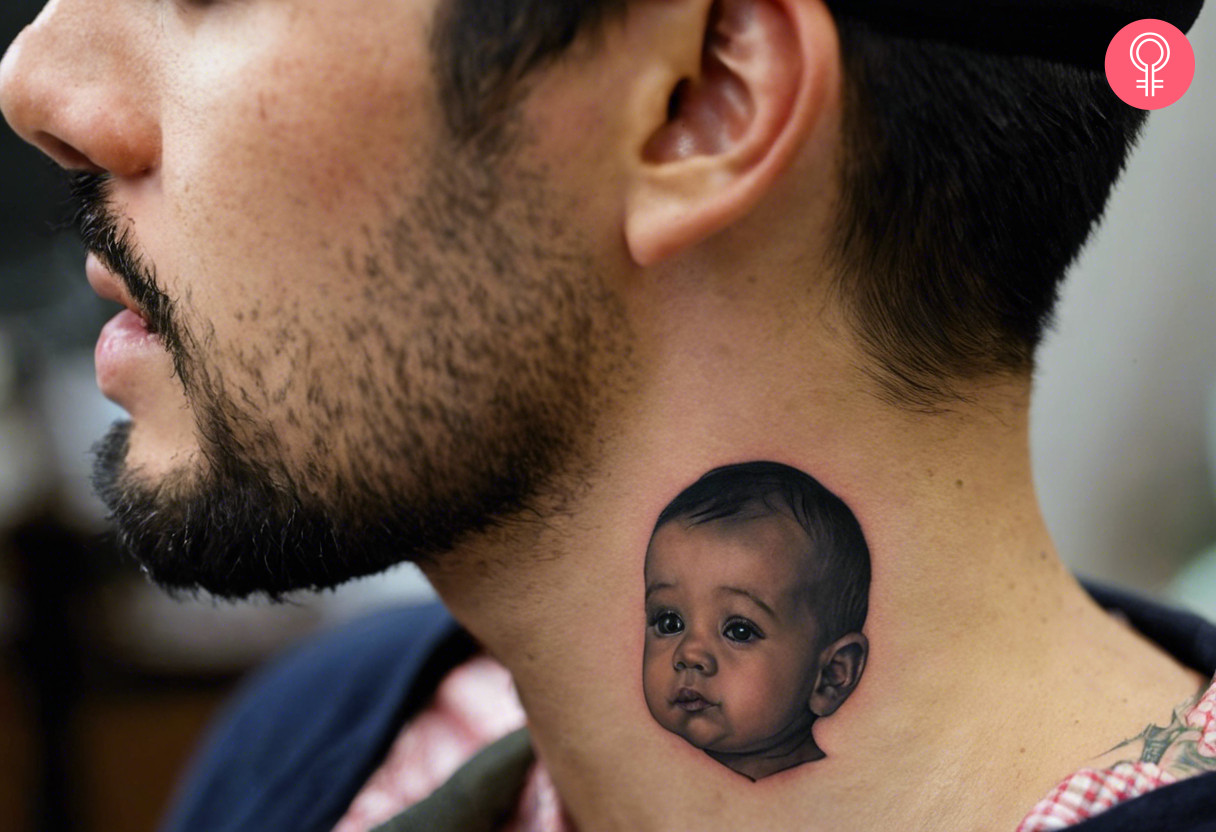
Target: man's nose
column 77, row 84
column 693, row 654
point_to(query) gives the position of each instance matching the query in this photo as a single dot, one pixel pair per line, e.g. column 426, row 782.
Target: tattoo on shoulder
column 1175, row 747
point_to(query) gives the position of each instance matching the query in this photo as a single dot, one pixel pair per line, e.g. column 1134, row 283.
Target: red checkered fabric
column 1091, row 791
column 1203, row 718
column 476, row 704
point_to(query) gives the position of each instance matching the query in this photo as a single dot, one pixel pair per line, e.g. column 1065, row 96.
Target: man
column 485, row 285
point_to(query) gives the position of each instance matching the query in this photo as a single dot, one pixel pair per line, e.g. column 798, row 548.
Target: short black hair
column 841, row 579
column 484, row 49
column 969, row 181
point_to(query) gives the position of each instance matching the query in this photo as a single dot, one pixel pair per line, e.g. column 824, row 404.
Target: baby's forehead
column 753, row 539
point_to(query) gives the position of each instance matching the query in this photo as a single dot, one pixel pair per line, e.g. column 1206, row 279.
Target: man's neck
column 991, row 675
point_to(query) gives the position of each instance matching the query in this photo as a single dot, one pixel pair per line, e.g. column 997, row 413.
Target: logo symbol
column 1150, row 84
column 1150, row 64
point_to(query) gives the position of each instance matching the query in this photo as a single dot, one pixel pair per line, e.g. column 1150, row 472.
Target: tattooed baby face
column 732, row 639
column 757, row 583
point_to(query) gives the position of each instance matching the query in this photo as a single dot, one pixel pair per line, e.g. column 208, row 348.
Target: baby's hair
column 842, row 575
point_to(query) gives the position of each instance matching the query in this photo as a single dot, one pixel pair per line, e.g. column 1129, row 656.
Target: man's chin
column 234, row 534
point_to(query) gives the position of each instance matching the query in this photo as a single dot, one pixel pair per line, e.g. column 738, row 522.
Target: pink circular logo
column 1150, row 64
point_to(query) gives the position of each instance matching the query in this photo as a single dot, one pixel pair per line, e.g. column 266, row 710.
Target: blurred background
column 105, row 684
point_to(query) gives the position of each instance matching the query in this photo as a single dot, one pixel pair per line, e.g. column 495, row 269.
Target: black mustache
column 102, row 232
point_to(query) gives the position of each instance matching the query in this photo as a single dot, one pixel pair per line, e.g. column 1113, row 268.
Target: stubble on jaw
column 471, row 382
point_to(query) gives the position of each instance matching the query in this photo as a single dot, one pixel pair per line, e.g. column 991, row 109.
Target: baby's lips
column 690, row 699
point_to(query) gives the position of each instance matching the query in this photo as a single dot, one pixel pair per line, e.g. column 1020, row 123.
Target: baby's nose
column 693, row 656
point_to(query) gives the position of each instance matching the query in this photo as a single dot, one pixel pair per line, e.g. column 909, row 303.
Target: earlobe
column 733, row 127
column 840, row 667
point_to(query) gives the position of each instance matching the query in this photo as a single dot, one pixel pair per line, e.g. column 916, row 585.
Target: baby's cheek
column 651, row 653
column 655, row 673
column 757, row 706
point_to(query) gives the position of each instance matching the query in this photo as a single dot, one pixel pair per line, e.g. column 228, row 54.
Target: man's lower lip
column 125, row 342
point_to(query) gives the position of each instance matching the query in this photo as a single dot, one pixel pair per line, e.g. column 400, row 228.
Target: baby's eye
column 668, row 624
column 742, row 631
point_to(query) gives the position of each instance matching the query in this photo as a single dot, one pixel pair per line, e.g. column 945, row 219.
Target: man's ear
column 840, row 667
column 731, row 124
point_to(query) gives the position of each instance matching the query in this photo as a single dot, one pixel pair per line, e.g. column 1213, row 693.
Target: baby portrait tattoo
column 757, row 588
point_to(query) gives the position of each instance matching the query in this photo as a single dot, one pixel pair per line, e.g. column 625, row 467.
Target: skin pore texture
column 549, row 342
column 359, row 391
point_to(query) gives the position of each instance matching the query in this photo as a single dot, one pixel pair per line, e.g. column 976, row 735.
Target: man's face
column 731, row 649
column 366, row 340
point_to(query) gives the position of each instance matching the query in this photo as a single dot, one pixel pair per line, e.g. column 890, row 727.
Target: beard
column 433, row 432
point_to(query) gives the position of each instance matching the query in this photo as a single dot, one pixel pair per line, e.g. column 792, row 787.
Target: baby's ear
column 840, row 667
